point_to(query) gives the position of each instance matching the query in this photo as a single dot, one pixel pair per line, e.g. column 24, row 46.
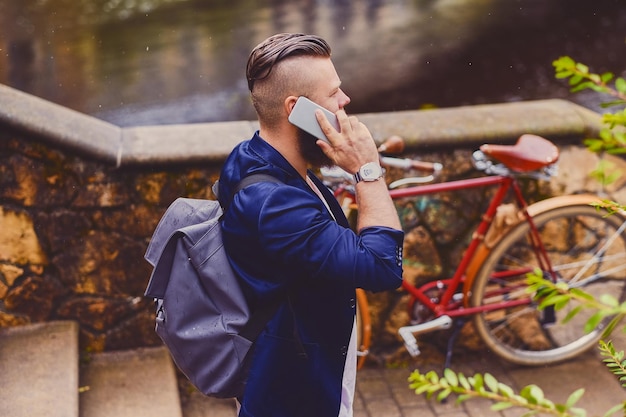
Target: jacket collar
column 269, row 154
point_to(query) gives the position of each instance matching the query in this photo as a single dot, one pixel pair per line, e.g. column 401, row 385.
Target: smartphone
column 303, row 116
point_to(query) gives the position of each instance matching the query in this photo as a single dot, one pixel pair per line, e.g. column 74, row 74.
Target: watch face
column 370, row 171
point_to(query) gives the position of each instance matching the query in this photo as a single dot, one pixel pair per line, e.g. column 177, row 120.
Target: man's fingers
column 327, row 128
column 344, row 120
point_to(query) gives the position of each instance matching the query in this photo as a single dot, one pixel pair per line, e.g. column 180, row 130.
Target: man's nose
column 344, row 100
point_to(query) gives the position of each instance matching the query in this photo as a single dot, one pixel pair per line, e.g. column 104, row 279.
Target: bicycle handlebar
column 406, row 163
column 395, row 144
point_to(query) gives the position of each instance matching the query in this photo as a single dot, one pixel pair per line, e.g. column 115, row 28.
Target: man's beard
column 310, row 151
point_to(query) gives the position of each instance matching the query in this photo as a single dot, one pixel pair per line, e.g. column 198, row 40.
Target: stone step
column 136, row 383
column 39, row 370
column 197, row 405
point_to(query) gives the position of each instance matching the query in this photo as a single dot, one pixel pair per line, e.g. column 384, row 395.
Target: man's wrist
column 369, row 172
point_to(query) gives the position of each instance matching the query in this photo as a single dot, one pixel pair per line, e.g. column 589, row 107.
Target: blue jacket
column 281, row 240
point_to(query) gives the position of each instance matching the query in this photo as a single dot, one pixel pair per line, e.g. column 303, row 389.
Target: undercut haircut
column 270, row 83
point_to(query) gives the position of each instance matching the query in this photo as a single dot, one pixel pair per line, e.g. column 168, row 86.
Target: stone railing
column 79, row 198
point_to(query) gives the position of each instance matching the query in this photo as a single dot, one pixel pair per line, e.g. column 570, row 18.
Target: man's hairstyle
column 274, row 49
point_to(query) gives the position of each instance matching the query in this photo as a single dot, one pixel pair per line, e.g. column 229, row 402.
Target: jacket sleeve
column 294, row 232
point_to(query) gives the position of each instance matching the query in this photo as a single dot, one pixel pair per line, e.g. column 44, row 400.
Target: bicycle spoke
column 585, row 249
column 600, row 252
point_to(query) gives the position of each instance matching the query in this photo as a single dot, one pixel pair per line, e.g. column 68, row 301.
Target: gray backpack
column 201, row 313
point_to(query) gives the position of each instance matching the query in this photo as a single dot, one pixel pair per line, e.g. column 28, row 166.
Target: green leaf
column 582, row 294
column 505, row 390
column 570, row 315
column 421, row 389
column 491, row 382
column 610, row 179
column 594, row 145
column 462, row 398
column 565, row 61
column 432, row 377
column 533, row 394
column 574, row 397
column 582, row 68
column 611, row 326
column 464, row 382
column 478, row 382
column 563, row 74
column 620, row 85
column 575, row 79
column 593, row 321
column 451, row 377
column 499, row 406
column 606, row 77
column 578, row 412
column 606, row 134
column 612, row 103
column 444, row 394
column 582, row 86
column 561, row 303
column 609, row 300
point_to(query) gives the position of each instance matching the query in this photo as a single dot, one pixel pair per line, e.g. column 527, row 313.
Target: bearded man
column 291, row 240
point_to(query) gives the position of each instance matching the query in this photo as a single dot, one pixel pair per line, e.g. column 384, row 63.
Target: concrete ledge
column 211, row 142
column 191, row 143
column 59, row 125
column 475, row 125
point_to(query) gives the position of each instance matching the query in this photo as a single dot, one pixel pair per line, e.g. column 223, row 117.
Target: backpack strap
column 251, row 179
column 261, row 316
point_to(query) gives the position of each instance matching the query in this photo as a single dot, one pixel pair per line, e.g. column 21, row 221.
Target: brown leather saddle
column 530, row 153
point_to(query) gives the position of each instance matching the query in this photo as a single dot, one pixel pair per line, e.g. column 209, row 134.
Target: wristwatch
column 368, row 172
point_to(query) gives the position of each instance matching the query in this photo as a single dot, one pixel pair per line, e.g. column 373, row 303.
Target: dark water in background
column 141, row 62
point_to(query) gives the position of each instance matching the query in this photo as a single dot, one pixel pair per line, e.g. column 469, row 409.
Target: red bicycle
column 565, row 238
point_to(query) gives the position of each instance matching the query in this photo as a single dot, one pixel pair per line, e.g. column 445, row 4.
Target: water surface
column 141, row 62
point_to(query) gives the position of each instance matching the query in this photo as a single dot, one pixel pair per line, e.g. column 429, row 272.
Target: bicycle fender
column 563, row 200
column 483, row 251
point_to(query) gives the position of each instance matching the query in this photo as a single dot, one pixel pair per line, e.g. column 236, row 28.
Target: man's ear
column 289, row 103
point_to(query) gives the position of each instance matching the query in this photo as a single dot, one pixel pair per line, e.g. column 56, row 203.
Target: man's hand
column 350, row 148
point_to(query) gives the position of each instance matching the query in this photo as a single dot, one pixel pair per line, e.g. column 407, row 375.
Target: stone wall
column 79, row 200
column 73, row 236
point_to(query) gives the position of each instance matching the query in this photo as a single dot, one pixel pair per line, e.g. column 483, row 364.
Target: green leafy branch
column 559, row 294
column 580, row 78
column 488, row 387
column 612, row 139
column 611, row 207
column 614, row 360
column 531, row 397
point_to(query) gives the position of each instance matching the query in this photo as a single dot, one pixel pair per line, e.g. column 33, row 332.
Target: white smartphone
column 303, row 116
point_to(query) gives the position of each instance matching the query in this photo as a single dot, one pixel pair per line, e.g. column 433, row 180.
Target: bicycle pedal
column 408, row 332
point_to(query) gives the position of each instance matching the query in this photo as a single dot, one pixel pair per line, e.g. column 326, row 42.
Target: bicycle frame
column 449, row 305
column 508, row 244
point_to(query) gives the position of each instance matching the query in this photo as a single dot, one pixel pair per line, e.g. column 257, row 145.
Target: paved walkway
column 385, row 392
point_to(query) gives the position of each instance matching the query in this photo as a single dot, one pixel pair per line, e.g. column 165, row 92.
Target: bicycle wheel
column 363, row 327
column 586, row 249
